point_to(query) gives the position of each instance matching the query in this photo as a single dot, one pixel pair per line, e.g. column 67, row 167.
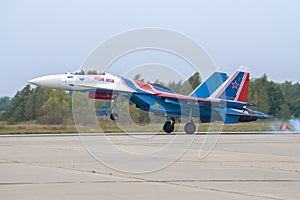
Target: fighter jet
column 217, row 98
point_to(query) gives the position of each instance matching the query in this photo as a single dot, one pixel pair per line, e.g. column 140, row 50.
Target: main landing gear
column 169, row 125
column 189, row 127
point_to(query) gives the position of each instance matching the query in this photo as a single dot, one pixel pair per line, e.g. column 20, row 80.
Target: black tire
column 168, row 127
column 190, row 128
column 114, row 116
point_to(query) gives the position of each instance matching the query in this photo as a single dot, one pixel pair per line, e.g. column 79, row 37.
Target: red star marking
column 235, row 85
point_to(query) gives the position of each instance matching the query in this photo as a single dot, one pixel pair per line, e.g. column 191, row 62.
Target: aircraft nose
column 51, row 81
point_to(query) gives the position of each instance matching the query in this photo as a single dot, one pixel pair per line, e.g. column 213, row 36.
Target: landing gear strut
column 190, row 127
column 114, row 116
column 169, row 125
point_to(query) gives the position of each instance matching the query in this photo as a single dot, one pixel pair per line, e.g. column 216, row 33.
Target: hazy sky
column 49, row 37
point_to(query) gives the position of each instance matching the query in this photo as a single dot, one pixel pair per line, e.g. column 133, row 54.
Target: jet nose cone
column 35, row 81
column 51, row 81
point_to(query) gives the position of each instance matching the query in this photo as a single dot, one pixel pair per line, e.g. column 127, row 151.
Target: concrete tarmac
column 240, row 166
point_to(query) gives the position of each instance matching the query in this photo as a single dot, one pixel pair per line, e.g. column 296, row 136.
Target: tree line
column 276, row 99
column 48, row 106
column 43, row 105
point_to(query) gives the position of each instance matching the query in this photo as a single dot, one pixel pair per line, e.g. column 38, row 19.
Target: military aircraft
column 217, row 98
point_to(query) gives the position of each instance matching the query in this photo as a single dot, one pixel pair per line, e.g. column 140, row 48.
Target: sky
column 50, row 37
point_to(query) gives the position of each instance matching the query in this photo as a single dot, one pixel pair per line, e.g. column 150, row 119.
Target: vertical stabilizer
column 235, row 88
column 205, row 89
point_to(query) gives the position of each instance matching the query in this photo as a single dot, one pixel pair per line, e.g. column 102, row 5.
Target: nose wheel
column 114, row 116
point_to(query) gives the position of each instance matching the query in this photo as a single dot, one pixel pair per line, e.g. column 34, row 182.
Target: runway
column 150, row 166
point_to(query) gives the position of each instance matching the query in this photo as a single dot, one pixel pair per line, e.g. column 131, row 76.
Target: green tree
column 160, row 84
column 18, row 109
column 4, row 103
column 175, row 87
column 258, row 93
column 192, row 83
column 138, row 77
column 285, row 111
column 291, row 93
column 279, row 100
column 38, row 99
column 276, row 99
column 55, row 110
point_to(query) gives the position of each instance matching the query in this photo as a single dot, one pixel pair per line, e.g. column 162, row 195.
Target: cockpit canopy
column 88, row 72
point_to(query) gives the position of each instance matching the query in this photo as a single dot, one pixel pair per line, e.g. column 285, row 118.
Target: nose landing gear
column 114, row 116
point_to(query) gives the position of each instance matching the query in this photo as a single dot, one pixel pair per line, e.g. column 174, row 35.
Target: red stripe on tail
column 242, row 95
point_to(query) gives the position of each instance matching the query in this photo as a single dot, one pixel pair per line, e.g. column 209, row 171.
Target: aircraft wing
column 175, row 98
column 183, row 97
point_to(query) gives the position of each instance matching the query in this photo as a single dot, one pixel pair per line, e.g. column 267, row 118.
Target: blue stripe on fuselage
column 163, row 90
column 130, row 84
